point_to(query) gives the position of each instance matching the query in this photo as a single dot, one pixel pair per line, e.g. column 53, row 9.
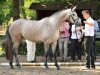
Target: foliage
column 6, row 7
column 96, row 12
column 2, row 37
column 28, row 13
column 72, row 1
column 39, row 49
column 5, row 11
column 1, row 52
column 22, row 48
column 98, row 47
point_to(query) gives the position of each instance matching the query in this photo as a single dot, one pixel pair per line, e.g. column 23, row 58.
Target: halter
column 73, row 18
column 74, row 23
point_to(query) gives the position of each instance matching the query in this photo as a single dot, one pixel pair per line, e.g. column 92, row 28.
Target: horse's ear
column 74, row 8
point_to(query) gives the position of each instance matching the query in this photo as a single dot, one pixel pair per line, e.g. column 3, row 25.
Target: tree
column 5, row 11
column 16, row 10
column 30, row 14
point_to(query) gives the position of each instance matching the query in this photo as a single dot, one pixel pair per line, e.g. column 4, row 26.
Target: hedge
column 40, row 49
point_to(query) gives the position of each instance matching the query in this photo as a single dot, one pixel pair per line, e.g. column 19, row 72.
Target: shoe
column 92, row 67
column 87, row 67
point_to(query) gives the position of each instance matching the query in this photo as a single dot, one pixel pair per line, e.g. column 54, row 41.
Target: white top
column 75, row 35
column 89, row 30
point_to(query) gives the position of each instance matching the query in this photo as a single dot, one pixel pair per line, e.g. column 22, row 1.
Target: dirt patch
column 41, row 70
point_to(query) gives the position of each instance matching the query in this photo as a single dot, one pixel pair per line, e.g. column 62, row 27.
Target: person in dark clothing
column 76, row 36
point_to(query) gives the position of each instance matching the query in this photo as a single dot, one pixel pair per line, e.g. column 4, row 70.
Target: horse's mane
column 55, row 14
column 58, row 12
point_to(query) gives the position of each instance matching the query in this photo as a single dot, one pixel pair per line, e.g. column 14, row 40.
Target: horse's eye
column 73, row 14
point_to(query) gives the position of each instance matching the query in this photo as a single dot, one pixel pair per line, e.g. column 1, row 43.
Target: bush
column 39, row 48
column 22, row 48
column 98, row 47
column 2, row 53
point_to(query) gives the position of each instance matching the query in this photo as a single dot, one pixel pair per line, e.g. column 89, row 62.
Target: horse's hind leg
column 11, row 64
column 53, row 45
column 46, row 46
column 50, row 53
column 15, row 52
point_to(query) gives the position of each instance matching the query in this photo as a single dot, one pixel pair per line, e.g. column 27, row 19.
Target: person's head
column 86, row 14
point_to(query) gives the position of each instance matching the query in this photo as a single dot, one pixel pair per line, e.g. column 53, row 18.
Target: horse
column 45, row 30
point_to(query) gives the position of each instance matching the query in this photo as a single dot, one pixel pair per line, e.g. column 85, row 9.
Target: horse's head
column 73, row 17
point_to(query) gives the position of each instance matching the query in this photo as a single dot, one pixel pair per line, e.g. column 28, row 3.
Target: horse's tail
column 8, row 45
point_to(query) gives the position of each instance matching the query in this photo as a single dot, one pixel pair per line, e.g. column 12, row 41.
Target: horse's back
column 24, row 28
column 36, row 31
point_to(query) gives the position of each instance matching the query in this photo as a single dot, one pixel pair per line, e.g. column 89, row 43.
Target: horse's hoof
column 58, row 68
column 12, row 67
column 18, row 65
column 46, row 66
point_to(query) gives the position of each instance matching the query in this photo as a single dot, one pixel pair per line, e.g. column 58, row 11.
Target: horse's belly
column 53, row 38
column 34, row 38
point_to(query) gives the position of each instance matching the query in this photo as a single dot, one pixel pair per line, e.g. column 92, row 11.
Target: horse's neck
column 59, row 18
column 54, row 22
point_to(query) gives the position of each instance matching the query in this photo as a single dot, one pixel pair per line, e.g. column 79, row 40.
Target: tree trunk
column 16, row 10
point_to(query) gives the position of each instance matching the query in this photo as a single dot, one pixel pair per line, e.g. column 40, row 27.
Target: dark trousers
column 89, row 51
column 75, row 49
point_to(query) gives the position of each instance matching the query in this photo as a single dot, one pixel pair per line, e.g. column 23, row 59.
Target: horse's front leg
column 46, row 47
column 15, row 52
column 53, row 45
